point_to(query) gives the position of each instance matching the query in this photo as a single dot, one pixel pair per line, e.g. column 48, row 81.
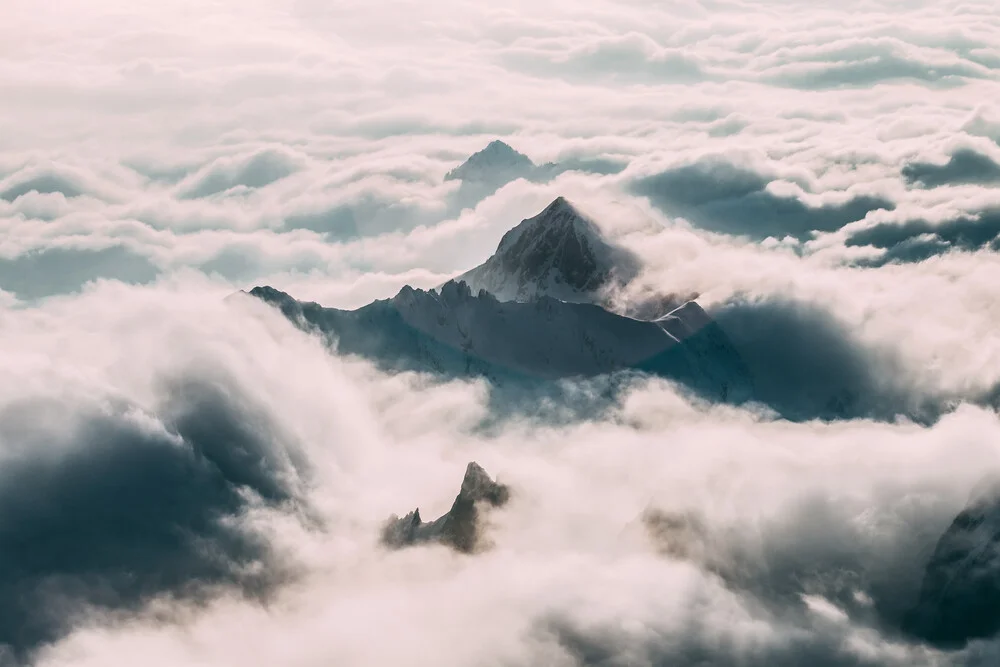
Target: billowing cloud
column 722, row 197
column 111, row 508
column 242, row 456
column 53, row 271
column 916, row 240
column 964, row 166
column 254, row 171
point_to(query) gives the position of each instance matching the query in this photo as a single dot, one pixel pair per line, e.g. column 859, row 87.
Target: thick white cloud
column 572, row 570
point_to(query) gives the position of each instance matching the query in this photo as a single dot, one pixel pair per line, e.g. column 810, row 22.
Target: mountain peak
column 560, row 203
column 498, row 161
column 560, row 252
column 559, row 218
column 497, row 146
column 270, row 295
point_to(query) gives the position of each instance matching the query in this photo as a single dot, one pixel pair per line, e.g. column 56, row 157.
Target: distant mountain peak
column 494, row 163
column 560, row 253
column 497, row 146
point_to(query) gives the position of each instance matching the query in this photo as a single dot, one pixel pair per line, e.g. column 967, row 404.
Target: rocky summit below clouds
column 461, row 527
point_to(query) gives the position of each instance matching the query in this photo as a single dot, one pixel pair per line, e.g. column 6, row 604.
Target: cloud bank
column 250, row 494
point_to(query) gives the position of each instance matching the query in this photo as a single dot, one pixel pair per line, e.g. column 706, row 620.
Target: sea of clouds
column 187, row 479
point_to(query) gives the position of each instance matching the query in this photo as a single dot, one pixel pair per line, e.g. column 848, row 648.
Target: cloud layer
column 187, row 479
column 275, row 462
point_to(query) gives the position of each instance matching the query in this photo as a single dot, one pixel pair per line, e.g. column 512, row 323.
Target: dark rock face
column 562, row 240
column 960, row 596
column 460, row 527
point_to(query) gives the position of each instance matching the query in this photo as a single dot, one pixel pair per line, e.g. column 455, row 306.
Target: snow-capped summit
column 496, row 164
column 534, row 311
column 559, row 253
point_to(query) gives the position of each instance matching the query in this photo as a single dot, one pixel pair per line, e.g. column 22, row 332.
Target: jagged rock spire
column 459, row 528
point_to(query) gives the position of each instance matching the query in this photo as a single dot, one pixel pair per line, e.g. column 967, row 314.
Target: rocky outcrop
column 461, row 527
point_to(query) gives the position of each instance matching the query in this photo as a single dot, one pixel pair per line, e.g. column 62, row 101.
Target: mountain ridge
column 457, row 333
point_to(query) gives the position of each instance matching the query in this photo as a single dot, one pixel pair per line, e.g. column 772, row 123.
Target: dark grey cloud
column 719, row 196
column 240, row 262
column 628, row 59
column 964, row 166
column 916, row 240
column 588, row 165
column 860, row 63
column 99, row 510
column 728, row 127
column 807, row 365
column 46, row 183
column 164, row 173
column 260, row 170
column 42, row 273
column 369, row 214
column 817, row 548
column 700, row 645
column 401, row 124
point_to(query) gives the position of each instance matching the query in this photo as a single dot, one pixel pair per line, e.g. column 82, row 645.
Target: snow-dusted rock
column 559, row 253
